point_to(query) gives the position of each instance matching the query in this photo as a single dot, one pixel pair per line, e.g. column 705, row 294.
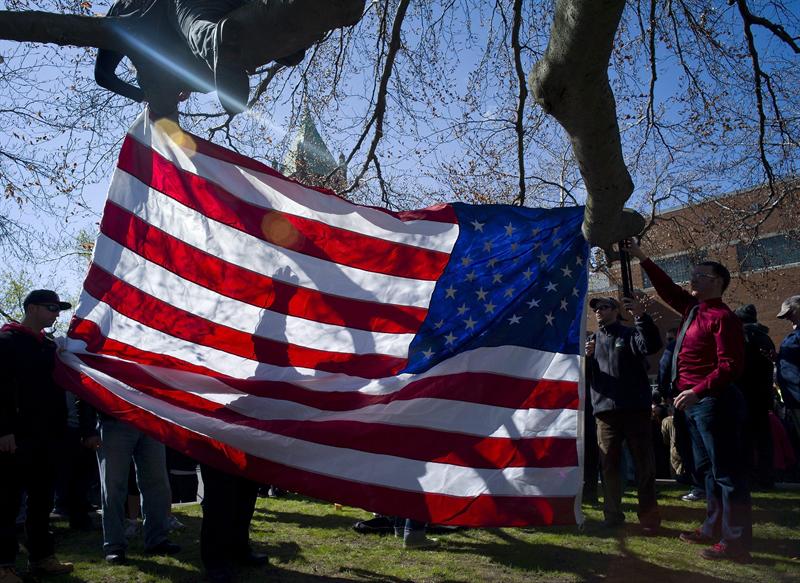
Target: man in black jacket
column 756, row 384
column 621, row 399
column 33, row 419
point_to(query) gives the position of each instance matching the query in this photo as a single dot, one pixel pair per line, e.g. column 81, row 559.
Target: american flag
column 423, row 364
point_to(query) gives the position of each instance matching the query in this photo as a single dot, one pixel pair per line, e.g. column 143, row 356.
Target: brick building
column 764, row 265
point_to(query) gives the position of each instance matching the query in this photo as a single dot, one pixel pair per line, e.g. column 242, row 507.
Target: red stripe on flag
column 441, row 213
column 159, row 315
column 472, row 387
column 253, row 288
column 480, row 511
column 306, row 236
column 417, row 443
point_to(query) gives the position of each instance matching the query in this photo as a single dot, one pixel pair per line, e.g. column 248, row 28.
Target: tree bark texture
column 59, row 29
column 571, row 83
column 267, row 29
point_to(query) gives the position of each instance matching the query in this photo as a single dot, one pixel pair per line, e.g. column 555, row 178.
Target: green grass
column 311, row 541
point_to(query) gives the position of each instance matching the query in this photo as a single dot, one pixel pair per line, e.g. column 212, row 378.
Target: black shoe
column 230, row 76
column 116, row 558
column 219, row 575
column 379, row 525
column 612, row 523
column 165, row 547
column 253, row 559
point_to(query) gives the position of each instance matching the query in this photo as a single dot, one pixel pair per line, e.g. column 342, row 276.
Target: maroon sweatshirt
column 712, row 354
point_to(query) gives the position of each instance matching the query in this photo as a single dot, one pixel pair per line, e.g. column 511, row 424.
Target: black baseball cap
column 45, row 296
column 606, row 301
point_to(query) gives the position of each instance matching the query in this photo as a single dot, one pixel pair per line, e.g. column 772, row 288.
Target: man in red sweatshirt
column 33, row 417
column 708, row 359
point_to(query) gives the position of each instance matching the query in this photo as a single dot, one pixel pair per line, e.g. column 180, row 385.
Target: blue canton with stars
column 516, row 276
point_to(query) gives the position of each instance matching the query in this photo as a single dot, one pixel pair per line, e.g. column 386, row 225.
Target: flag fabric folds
column 423, row 364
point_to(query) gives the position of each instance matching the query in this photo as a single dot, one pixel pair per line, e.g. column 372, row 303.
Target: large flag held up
column 423, row 364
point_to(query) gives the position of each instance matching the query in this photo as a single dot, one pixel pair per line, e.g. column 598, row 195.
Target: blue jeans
column 120, row 442
column 406, row 527
column 715, row 428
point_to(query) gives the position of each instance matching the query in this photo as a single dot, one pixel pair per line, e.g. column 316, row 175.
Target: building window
column 600, row 282
column 678, row 267
column 772, row 251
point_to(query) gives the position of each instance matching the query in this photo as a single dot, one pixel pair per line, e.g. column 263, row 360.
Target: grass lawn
column 311, row 541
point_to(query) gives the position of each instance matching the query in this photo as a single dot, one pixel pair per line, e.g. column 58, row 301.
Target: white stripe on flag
column 349, row 464
column 259, row 256
column 511, row 361
column 287, row 196
column 200, row 301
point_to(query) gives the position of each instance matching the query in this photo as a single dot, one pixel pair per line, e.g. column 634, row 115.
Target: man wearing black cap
column 621, row 399
column 32, row 420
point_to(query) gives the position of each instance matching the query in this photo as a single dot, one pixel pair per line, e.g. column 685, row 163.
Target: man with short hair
column 708, row 358
column 756, row 384
column 788, row 364
column 621, row 400
column 33, row 419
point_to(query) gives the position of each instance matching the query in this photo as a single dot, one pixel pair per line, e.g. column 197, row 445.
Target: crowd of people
column 40, row 434
column 712, row 405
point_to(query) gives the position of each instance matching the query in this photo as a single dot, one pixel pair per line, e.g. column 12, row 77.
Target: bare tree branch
column 523, row 95
column 380, row 104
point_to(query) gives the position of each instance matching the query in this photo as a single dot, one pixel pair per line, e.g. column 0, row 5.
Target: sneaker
column 174, row 524
column 49, row 566
column 694, row 496
column 165, row 547
column 695, row 537
column 9, row 575
column 420, row 542
column 725, row 552
column 116, row 558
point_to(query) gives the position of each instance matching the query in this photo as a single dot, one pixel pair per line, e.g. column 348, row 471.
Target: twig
column 522, row 96
column 380, row 104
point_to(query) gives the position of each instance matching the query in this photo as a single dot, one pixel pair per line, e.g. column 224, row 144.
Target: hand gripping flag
column 423, row 364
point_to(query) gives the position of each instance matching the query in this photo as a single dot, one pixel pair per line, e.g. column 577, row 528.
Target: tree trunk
column 59, row 29
column 571, row 84
column 269, row 29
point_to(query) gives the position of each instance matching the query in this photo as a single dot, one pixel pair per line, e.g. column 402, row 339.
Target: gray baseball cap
column 789, row 304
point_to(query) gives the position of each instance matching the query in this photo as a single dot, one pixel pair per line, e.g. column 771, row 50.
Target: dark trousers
column 197, row 21
column 758, row 445
column 715, row 426
column 228, row 505
column 632, row 427
column 31, row 469
column 591, row 457
column 77, row 474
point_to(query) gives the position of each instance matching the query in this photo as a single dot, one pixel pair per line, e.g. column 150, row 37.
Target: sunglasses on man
column 55, row 308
